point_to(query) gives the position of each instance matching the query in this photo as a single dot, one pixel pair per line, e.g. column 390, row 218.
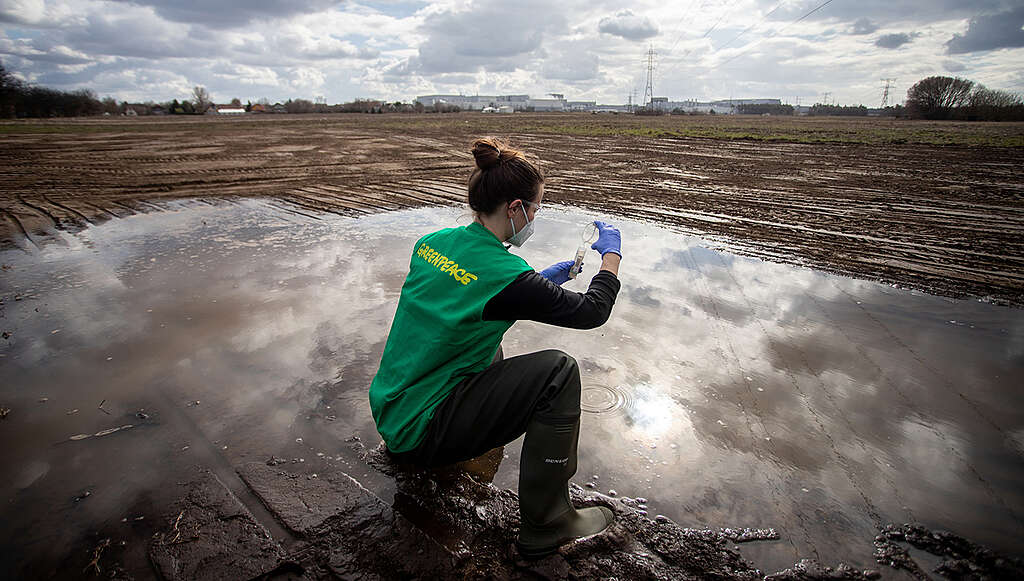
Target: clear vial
column 587, row 237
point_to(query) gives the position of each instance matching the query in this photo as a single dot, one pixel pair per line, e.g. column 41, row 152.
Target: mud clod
column 809, row 569
column 963, row 559
column 211, row 535
column 446, row 524
column 459, row 512
column 746, row 535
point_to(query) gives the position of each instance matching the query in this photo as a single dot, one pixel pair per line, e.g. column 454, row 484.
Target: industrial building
column 479, row 102
column 557, row 102
column 723, row 106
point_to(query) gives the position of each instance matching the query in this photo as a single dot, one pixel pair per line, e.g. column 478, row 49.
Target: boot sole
column 534, row 554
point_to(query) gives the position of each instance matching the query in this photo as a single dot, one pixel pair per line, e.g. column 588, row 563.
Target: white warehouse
column 479, row 102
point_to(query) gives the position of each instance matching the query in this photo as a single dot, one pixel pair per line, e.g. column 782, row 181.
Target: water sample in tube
column 587, row 237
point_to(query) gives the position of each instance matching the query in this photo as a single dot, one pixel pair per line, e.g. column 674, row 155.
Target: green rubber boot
column 546, row 515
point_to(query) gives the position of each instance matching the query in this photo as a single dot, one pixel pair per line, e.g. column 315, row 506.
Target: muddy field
column 729, row 400
column 937, row 207
column 186, row 388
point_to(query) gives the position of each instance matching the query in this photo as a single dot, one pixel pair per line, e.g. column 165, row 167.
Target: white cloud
column 227, row 14
column 22, row 11
column 894, row 40
column 863, row 26
column 484, row 36
column 587, row 50
column 990, row 31
column 628, row 25
column 572, row 63
column 246, row 75
column 954, row 66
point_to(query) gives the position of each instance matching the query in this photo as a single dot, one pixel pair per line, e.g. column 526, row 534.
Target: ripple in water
column 603, row 400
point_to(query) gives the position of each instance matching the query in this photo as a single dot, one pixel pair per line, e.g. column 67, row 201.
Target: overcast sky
column 588, row 50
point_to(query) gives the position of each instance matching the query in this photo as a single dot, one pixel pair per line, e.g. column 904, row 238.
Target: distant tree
column 443, row 108
column 200, row 99
column 11, row 90
column 187, row 108
column 820, row 109
column 248, row 106
column 236, row 102
column 651, row 111
column 110, row 106
column 992, row 105
column 298, row 106
column 764, row 109
column 937, row 97
column 985, row 97
column 893, row 111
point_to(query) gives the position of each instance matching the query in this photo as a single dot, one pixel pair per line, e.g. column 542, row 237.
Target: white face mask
column 517, row 239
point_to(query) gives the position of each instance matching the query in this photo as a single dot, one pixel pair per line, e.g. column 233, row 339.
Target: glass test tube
column 587, row 236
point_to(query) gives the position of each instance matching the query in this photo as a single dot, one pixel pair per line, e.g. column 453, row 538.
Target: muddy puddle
column 728, row 392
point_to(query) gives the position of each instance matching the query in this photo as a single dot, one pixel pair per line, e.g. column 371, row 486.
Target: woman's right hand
column 608, row 240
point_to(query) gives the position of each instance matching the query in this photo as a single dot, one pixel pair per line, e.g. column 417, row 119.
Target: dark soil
column 947, row 219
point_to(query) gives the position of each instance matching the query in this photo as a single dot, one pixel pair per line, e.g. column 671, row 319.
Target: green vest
column 438, row 335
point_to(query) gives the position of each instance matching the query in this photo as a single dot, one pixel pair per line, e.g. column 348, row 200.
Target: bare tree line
column 956, row 98
column 934, row 97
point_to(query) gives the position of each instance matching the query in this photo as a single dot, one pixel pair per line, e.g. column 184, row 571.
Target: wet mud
column 945, row 219
column 190, row 386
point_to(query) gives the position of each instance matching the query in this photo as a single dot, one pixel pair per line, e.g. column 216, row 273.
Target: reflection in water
column 727, row 391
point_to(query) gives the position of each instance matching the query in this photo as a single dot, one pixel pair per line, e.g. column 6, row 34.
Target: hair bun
column 502, row 174
column 488, row 152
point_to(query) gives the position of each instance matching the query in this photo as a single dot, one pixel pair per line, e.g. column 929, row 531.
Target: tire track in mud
column 332, row 195
column 891, row 384
column 941, row 219
column 291, row 210
column 841, row 459
column 56, row 223
column 16, row 223
column 970, row 233
column 397, row 191
column 997, row 224
column 68, row 209
column 883, row 255
column 774, row 486
column 100, row 211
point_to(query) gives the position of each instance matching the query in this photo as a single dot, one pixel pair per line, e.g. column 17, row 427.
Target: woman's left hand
column 558, row 272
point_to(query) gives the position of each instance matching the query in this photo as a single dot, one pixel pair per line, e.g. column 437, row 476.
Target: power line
column 747, row 29
column 778, row 32
column 715, row 25
column 706, row 33
column 680, row 36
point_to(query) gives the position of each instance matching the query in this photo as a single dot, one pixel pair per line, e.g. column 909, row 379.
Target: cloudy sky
column 589, row 50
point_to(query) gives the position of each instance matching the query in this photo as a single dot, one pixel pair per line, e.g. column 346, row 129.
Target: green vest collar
column 479, row 229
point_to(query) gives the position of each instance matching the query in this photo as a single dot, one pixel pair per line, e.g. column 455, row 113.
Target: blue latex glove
column 609, row 239
column 558, row 272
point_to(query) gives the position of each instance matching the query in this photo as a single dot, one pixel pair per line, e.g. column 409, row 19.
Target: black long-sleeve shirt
column 534, row 298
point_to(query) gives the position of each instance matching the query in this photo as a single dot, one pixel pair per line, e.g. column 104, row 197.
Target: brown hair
column 502, row 175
